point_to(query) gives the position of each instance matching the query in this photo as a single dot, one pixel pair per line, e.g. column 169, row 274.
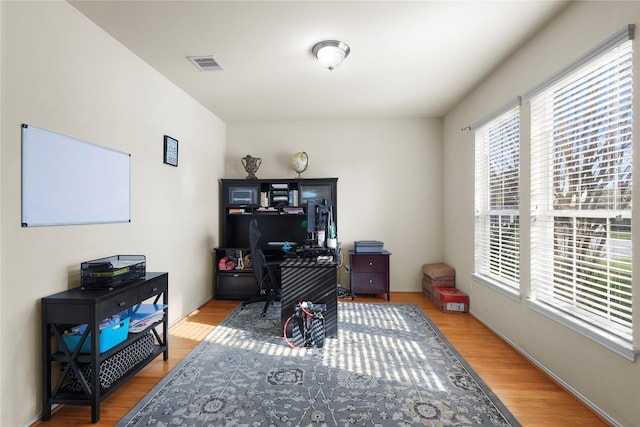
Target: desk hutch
column 280, row 206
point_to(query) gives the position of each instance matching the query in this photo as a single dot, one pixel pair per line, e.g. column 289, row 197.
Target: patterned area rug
column 389, row 366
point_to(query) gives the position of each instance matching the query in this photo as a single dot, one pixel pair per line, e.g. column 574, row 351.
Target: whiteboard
column 69, row 181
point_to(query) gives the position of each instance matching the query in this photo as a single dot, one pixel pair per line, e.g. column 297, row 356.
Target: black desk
column 312, row 280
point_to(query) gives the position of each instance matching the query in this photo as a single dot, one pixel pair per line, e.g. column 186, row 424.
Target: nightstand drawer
column 369, row 283
column 370, row 263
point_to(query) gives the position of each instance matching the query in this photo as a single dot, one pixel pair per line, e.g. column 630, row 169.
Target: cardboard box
column 450, row 300
column 438, row 274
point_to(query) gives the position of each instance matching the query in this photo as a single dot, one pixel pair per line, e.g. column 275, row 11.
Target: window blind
column 581, row 178
column 497, row 198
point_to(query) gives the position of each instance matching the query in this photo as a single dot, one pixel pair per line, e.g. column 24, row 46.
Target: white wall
column 389, row 180
column 62, row 73
column 1, row 198
column 606, row 380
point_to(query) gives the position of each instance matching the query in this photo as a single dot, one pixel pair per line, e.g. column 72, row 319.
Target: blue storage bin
column 110, row 336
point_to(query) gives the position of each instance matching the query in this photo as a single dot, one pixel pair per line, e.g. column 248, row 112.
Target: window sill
column 610, row 341
column 503, row 289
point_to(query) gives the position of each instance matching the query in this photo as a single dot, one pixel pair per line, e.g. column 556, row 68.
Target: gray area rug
column 389, row 366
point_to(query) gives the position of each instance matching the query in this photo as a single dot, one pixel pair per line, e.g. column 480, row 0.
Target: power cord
column 344, row 293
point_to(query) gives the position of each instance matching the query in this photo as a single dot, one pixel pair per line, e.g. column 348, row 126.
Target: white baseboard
column 544, row 369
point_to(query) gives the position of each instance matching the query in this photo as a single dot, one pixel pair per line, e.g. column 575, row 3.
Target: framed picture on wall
column 170, row 151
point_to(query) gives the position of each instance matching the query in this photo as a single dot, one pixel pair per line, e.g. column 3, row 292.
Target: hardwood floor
column 532, row 397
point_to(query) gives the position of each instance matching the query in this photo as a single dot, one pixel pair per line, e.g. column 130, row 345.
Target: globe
column 300, row 162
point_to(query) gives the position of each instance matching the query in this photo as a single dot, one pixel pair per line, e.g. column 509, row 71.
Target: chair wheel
column 264, row 315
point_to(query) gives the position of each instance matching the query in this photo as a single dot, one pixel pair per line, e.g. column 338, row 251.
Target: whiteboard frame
column 67, row 181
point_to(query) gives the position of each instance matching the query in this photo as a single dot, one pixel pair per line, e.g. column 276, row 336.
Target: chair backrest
column 254, row 235
column 258, row 260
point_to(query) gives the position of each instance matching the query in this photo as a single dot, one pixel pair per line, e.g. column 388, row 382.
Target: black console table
column 313, row 281
column 90, row 306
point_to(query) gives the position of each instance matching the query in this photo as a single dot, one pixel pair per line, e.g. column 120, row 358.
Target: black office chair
column 265, row 273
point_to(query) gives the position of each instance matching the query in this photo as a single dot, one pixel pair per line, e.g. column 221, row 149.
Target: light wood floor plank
column 532, row 397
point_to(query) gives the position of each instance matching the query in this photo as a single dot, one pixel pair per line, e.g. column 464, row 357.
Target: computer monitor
column 311, row 216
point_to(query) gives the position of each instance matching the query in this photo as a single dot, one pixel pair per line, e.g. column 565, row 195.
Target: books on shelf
column 269, row 210
column 236, row 210
column 293, row 210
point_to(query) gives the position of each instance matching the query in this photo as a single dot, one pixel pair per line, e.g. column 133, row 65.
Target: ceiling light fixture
column 331, row 53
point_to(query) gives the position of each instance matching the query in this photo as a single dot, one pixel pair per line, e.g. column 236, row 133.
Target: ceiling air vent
column 205, row 63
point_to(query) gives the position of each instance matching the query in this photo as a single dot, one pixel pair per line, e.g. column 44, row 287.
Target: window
column 497, row 199
column 581, row 175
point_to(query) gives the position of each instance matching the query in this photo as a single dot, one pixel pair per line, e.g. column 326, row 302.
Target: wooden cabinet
column 236, row 284
column 370, row 273
column 89, row 306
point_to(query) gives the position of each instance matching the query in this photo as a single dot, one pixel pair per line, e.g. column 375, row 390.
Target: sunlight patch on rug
column 389, row 366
